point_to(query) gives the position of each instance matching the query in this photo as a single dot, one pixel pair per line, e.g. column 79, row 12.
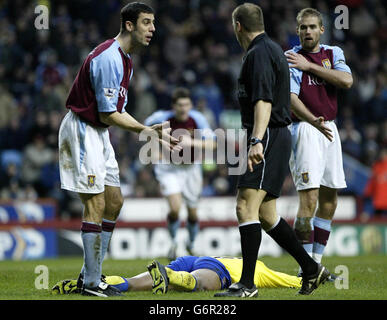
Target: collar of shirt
column 256, row 40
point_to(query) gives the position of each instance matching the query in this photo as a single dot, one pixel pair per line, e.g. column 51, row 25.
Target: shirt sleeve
column 157, row 117
column 106, row 75
column 339, row 60
column 262, row 76
column 202, row 123
column 295, row 80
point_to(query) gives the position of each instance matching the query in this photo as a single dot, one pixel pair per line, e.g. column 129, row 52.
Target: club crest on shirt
column 305, row 177
column 91, row 180
column 326, row 63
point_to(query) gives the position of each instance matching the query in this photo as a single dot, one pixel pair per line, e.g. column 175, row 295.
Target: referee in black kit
column 264, row 98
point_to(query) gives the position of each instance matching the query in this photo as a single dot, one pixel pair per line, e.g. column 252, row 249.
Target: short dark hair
column 309, row 12
column 250, row 16
column 132, row 11
column 179, row 93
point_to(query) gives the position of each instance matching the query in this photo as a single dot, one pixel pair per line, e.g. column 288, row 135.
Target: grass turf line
column 367, row 279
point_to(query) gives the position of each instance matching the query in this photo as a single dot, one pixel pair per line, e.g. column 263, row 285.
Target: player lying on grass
column 191, row 273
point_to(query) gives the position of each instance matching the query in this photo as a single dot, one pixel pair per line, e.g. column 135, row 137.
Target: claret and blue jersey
column 101, row 84
column 318, row 96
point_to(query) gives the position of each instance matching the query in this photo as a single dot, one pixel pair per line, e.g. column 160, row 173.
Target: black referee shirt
column 264, row 76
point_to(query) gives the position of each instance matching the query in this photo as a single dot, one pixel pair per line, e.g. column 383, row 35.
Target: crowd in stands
column 194, row 46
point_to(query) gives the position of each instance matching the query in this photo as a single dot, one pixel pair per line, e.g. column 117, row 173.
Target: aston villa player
column 317, row 71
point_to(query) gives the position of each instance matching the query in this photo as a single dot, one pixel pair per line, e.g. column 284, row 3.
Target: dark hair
column 250, row 16
column 180, row 93
column 309, row 12
column 131, row 12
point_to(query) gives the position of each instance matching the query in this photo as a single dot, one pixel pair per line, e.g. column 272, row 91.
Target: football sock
column 106, row 234
column 285, row 236
column 322, row 230
column 193, row 230
column 250, row 242
column 181, row 280
column 173, row 226
column 304, row 229
column 91, row 239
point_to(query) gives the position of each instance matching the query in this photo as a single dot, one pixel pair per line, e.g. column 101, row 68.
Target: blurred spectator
column 350, row 139
column 36, row 155
column 50, row 71
column 376, row 189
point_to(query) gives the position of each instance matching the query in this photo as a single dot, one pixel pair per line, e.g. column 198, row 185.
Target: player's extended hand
column 163, row 131
column 297, row 61
column 185, row 141
column 319, row 124
column 255, row 156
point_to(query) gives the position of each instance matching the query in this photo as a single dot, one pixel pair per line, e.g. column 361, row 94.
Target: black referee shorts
column 269, row 175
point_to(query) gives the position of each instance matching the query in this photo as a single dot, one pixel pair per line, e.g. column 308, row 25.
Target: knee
column 308, row 204
column 174, row 211
column 243, row 214
column 115, row 205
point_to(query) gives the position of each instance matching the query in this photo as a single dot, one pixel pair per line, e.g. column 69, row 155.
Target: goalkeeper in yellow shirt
column 191, row 273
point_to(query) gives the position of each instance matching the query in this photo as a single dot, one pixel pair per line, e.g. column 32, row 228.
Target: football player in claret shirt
column 87, row 161
column 183, row 181
column 316, row 72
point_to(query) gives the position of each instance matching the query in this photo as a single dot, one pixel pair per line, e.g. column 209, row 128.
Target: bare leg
column 140, row 282
column 206, row 280
column 303, row 224
column 113, row 202
column 193, row 228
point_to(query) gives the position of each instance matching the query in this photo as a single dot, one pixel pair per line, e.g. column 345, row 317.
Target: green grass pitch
column 367, row 279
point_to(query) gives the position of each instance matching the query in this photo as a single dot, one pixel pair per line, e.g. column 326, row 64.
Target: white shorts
column 86, row 157
column 315, row 160
column 184, row 179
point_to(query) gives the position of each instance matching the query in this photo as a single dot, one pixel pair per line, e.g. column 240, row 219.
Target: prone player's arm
column 303, row 113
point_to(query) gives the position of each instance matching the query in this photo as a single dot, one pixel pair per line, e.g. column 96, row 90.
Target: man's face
column 182, row 108
column 144, row 29
column 309, row 32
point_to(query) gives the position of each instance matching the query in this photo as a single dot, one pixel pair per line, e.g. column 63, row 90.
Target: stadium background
column 193, row 46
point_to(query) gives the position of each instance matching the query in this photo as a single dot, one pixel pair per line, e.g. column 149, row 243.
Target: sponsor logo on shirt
column 109, row 92
column 123, row 92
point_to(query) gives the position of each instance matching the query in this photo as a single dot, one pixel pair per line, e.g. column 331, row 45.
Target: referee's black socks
column 285, row 236
column 250, row 242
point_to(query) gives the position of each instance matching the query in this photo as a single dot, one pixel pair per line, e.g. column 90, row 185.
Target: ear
column 238, row 26
column 322, row 29
column 298, row 30
column 129, row 26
